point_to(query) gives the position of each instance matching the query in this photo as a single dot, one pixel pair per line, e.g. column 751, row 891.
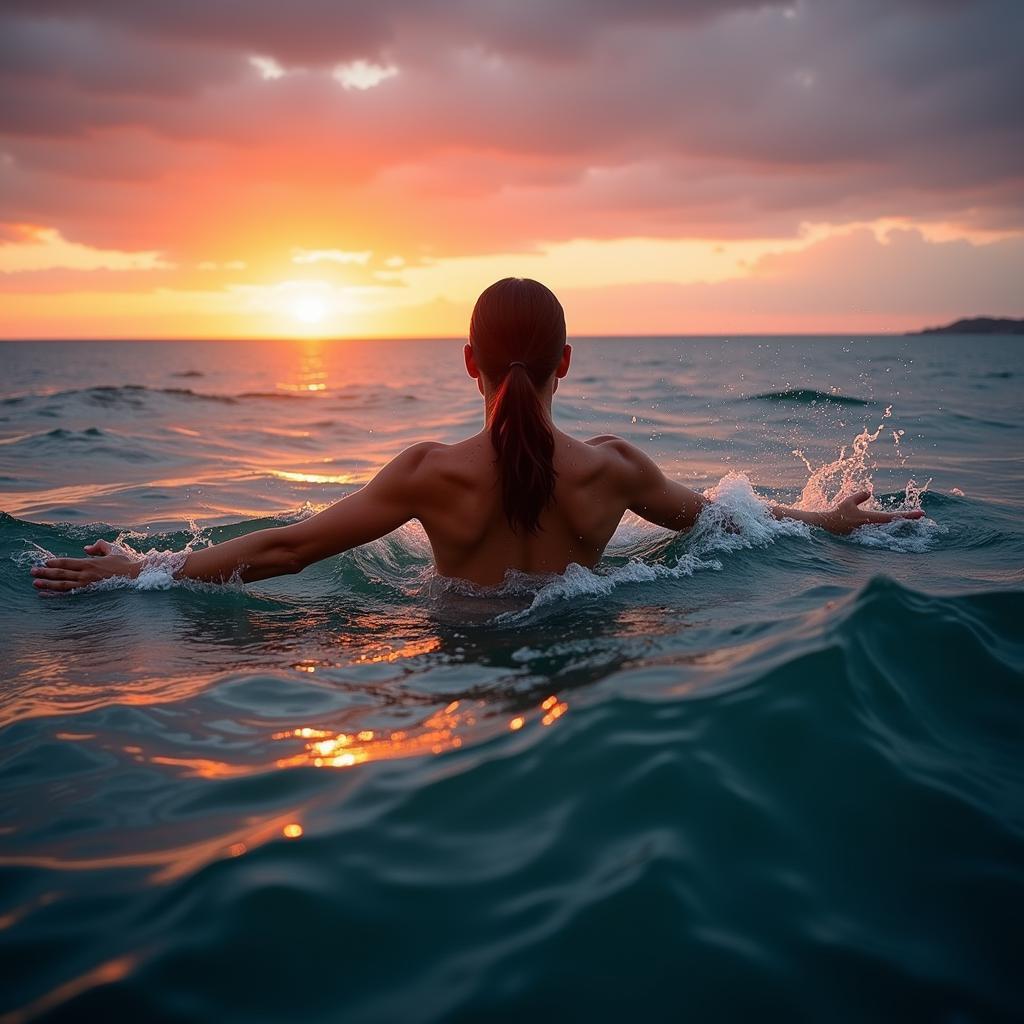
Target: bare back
column 461, row 509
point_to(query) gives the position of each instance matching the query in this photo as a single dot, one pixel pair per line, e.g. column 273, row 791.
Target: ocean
column 775, row 774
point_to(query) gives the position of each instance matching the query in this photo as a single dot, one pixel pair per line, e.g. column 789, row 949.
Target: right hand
column 59, row 575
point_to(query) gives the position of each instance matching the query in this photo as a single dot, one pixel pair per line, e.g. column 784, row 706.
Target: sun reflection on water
column 311, row 376
column 460, row 722
column 436, row 734
column 386, row 653
column 312, row 478
column 442, row 731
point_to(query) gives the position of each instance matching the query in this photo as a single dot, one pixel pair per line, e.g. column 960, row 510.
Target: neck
column 545, row 393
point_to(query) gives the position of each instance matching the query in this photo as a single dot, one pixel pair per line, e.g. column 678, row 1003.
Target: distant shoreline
column 977, row 325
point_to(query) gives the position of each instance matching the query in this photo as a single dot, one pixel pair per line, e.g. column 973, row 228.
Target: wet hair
column 517, row 332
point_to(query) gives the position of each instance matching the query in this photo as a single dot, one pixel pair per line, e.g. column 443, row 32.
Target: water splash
column 159, row 565
column 580, row 583
column 851, row 471
column 739, row 518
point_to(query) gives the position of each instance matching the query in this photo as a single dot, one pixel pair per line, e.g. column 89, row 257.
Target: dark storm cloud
column 325, row 31
column 579, row 117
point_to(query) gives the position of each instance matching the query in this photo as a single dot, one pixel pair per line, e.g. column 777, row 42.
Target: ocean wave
column 689, row 790
column 808, row 396
column 576, row 584
column 108, row 395
column 902, row 535
column 981, row 421
column 135, row 396
column 84, row 444
column 275, row 395
column 736, row 520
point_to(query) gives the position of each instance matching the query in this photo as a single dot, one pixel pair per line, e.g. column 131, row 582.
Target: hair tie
column 518, row 362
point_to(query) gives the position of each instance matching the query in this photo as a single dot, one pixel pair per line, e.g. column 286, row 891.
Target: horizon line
column 462, row 338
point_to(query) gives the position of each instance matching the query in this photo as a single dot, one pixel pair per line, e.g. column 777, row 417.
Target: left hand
column 848, row 515
column 59, row 575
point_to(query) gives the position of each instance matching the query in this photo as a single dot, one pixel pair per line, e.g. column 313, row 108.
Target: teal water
column 774, row 775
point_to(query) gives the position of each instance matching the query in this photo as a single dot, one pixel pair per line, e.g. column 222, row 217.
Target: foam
column 738, row 518
column 580, row 583
column 158, row 566
column 906, row 536
column 159, row 569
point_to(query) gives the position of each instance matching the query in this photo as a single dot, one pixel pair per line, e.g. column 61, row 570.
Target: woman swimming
column 520, row 494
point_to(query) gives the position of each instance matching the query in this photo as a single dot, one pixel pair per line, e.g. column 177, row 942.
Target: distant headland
column 978, row 325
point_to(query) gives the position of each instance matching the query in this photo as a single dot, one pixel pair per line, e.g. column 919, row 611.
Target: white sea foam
column 36, row 554
column 906, row 536
column 525, row 654
column 578, row 582
column 739, row 518
column 158, row 566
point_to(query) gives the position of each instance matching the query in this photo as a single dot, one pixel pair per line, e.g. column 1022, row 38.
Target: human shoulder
column 620, row 451
column 431, row 463
column 432, row 475
column 406, row 468
column 411, row 459
column 416, row 454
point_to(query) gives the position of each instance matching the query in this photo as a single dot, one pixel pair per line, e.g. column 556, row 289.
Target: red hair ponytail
column 518, row 334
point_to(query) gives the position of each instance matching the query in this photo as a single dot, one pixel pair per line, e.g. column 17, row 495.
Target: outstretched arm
column 844, row 517
column 382, row 505
column 656, row 498
column 646, row 489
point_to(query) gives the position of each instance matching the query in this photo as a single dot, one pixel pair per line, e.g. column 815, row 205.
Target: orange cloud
column 28, row 247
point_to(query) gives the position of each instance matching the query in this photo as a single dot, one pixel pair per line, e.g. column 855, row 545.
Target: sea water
column 768, row 773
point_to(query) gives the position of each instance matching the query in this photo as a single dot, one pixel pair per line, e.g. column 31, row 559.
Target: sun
column 310, row 310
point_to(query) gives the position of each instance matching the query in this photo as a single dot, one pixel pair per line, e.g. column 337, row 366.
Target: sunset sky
column 207, row 168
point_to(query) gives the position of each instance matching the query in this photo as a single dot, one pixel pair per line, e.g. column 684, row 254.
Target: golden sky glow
column 332, row 174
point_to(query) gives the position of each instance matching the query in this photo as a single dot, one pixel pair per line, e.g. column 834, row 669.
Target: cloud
column 320, row 32
column 268, row 68
column 331, row 256
column 847, row 282
column 26, row 247
column 512, row 127
column 363, row 74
